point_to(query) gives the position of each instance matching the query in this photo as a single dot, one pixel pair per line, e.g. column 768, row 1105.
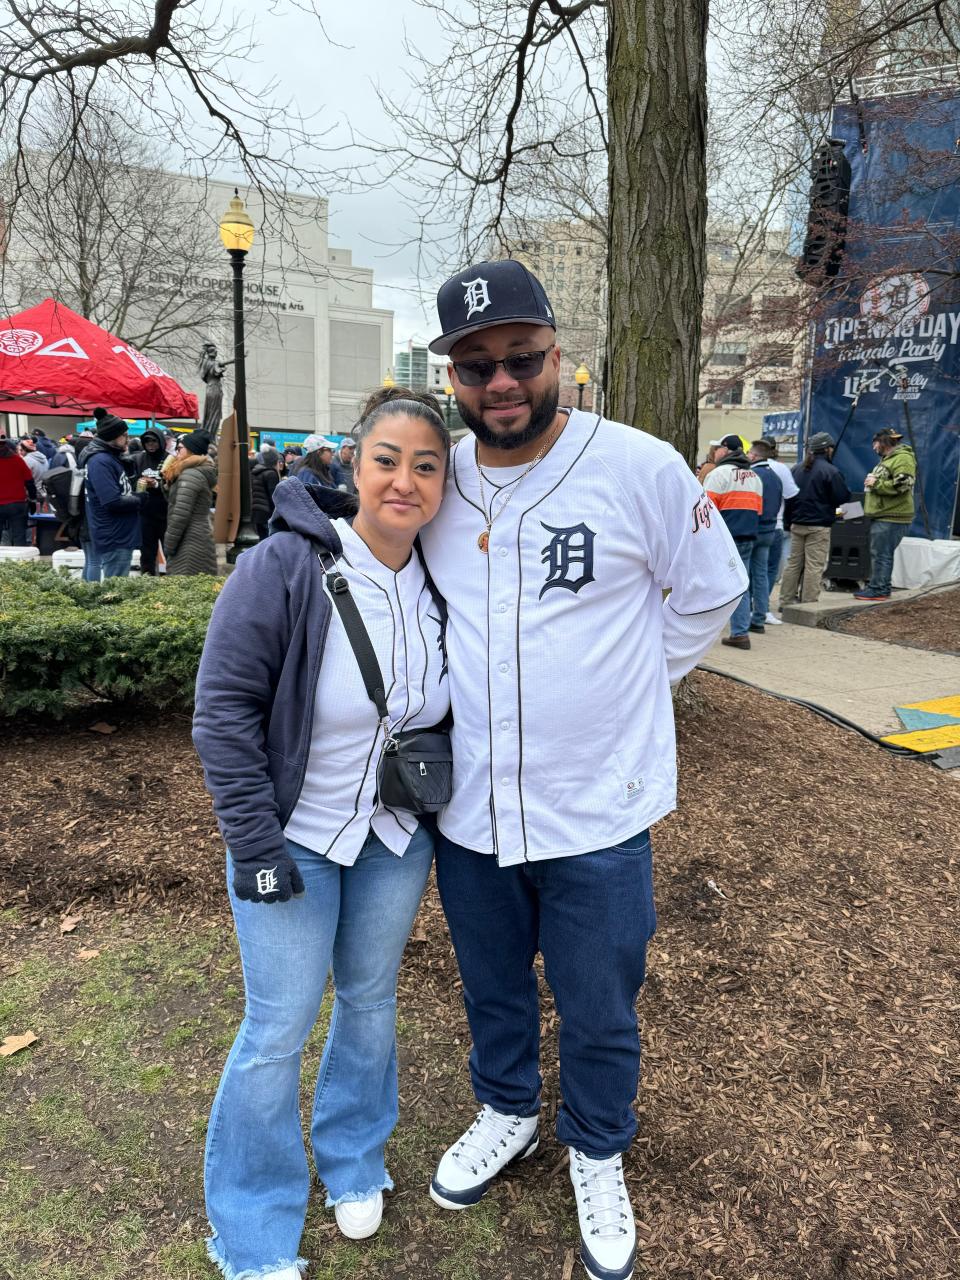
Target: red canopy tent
column 54, row 361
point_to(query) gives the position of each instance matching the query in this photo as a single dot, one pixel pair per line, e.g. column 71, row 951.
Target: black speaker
column 849, row 558
column 827, row 221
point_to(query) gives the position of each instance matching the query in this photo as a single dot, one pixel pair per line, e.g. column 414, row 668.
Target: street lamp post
column 236, row 233
column 581, row 378
column 448, row 392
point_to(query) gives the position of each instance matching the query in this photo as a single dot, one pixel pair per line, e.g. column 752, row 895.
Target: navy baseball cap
column 487, row 294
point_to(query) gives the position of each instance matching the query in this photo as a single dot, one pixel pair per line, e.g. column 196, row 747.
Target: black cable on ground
column 833, row 716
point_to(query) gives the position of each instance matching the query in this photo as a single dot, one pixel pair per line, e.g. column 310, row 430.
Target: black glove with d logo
column 266, row 879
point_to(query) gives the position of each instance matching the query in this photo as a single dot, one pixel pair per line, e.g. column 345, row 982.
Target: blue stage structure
column 886, row 349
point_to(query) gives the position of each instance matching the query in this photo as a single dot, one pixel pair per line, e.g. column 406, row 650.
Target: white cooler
column 19, row 553
column 72, row 561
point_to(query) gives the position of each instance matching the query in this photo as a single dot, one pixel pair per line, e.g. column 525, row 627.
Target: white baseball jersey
column 790, row 486
column 338, row 805
column 561, row 647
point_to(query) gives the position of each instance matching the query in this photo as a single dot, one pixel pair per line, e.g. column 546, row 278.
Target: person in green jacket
column 889, row 505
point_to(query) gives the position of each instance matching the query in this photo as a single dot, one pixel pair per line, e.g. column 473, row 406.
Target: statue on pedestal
column 211, row 370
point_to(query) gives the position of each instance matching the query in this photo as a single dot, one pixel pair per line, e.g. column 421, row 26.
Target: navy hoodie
column 253, row 721
column 772, row 496
column 113, row 509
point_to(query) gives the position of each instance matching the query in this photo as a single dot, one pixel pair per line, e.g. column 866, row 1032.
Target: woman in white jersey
column 323, row 876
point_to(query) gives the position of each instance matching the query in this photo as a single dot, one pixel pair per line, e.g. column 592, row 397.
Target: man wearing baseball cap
column 558, row 536
column 889, row 505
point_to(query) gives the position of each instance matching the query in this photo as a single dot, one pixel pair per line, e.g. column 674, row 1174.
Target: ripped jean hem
column 230, row 1272
column 355, row 1197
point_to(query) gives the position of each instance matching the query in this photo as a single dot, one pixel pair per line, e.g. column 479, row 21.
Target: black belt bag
column 416, row 768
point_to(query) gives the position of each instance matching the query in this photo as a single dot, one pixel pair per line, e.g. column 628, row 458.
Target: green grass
column 464, row 1242
column 185, row 1260
column 60, row 1117
column 23, row 1006
column 113, row 1108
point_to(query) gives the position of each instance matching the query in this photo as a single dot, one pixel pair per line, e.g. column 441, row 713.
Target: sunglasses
column 521, row 367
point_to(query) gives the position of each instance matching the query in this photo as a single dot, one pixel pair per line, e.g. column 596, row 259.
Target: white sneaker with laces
column 358, row 1219
column 287, row 1273
column 773, row 620
column 491, row 1143
column 608, row 1233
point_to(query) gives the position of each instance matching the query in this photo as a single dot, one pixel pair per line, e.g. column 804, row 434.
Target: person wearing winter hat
column 264, row 478
column 112, row 507
column 190, row 477
column 153, row 517
column 43, row 444
column 821, row 488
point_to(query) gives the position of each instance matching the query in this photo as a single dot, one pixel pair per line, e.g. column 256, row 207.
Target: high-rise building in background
column 416, row 368
column 411, row 367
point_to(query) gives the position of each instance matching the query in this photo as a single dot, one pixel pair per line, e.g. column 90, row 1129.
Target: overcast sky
column 340, row 82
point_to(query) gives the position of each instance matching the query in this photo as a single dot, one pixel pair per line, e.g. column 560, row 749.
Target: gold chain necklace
column 483, row 542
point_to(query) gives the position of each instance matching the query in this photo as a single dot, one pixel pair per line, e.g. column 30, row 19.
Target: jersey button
column 503, row 551
column 501, row 608
column 504, row 724
column 505, row 782
column 504, row 666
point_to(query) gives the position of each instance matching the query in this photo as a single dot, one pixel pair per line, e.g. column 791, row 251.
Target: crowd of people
column 767, row 506
column 116, row 493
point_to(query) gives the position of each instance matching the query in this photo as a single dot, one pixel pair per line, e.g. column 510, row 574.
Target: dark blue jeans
column 773, row 565
column 759, row 570
column 885, row 537
column 591, row 917
column 116, row 564
column 740, row 619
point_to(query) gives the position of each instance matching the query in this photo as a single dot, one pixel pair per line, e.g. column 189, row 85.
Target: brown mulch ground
column 927, row 622
column 799, row 1110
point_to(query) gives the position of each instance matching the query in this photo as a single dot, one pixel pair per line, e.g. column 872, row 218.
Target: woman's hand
column 260, row 879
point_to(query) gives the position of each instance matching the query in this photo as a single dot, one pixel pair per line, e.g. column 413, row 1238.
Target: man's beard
column 542, row 414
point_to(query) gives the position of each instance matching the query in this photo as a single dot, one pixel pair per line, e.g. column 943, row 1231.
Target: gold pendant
column 483, row 542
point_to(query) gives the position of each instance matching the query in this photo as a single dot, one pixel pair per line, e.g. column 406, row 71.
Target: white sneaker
column 773, row 620
column 491, row 1143
column 287, row 1273
column 608, row 1234
column 358, row 1219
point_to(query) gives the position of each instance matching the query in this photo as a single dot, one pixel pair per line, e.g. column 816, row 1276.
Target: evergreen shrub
column 63, row 640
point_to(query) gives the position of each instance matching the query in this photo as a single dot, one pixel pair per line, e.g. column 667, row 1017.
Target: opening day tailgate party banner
column 888, row 343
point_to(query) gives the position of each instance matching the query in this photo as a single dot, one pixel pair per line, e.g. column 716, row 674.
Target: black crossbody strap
column 431, row 585
column 358, row 636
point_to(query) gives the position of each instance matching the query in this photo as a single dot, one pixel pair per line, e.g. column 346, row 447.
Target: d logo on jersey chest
column 567, row 550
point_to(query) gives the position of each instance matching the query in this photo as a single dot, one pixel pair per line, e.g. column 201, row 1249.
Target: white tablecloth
column 922, row 563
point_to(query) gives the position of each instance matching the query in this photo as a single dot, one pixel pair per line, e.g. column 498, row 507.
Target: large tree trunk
column 657, row 92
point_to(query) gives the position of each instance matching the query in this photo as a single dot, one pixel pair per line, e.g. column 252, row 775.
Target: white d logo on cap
column 476, row 297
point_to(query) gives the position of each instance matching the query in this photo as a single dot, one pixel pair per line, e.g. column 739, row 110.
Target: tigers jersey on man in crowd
column 562, row 647
column 737, row 493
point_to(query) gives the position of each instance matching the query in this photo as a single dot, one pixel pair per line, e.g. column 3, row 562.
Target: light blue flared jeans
column 354, row 921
